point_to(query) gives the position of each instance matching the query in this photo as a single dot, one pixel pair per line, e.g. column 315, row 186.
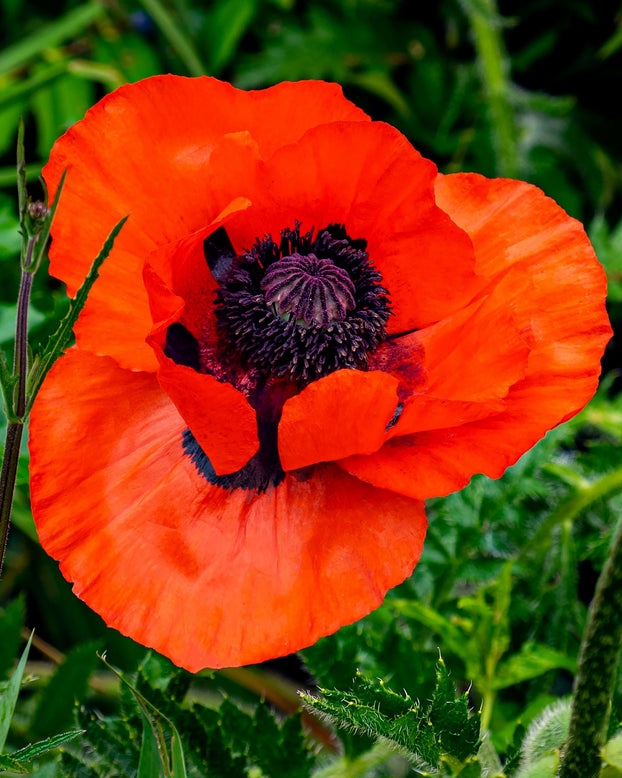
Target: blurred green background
column 526, row 89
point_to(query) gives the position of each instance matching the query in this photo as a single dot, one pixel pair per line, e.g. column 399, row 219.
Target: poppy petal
column 206, row 576
column 162, row 184
column 218, row 415
column 537, row 262
column 368, row 177
column 343, row 413
column 178, row 281
column 471, row 360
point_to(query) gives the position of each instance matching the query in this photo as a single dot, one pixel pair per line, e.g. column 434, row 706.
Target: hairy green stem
column 595, row 681
column 494, row 66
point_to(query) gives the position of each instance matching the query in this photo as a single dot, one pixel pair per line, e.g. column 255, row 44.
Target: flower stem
column 594, row 684
column 10, row 461
column 15, row 427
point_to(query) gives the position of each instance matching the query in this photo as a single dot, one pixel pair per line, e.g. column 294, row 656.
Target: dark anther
column 305, row 307
column 219, row 253
column 181, row 346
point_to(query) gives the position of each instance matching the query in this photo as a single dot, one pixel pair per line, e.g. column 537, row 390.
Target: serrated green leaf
column 59, row 340
column 7, row 763
column 445, row 727
column 113, row 745
column 11, row 693
column 34, row 750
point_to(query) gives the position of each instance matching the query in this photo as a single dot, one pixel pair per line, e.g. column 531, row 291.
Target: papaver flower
column 302, row 332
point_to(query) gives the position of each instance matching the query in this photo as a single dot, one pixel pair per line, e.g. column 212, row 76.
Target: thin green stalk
column 10, row 462
column 596, row 677
column 494, row 65
column 15, row 428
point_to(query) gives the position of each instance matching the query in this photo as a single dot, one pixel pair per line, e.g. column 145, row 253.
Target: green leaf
column 444, row 727
column 34, row 750
column 457, row 731
column 150, row 761
column 175, row 35
column 13, row 95
column 177, row 752
column 7, row 763
column 532, row 660
column 59, row 104
column 11, row 693
column 451, row 635
column 59, row 340
column 173, row 766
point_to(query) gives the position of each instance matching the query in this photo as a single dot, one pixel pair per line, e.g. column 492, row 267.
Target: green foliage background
column 526, row 89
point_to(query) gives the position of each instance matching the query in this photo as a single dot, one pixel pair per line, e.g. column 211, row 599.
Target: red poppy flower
column 303, row 331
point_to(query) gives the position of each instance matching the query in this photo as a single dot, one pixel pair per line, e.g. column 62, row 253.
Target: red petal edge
column 208, row 577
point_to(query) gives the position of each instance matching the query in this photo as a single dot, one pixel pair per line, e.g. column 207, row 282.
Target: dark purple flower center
column 287, row 314
column 302, row 308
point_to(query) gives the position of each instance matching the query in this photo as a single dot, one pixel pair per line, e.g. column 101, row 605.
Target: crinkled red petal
column 544, row 281
column 144, row 150
column 368, row 177
column 206, row 576
column 343, row 413
column 181, row 289
column 217, row 414
column 469, row 361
